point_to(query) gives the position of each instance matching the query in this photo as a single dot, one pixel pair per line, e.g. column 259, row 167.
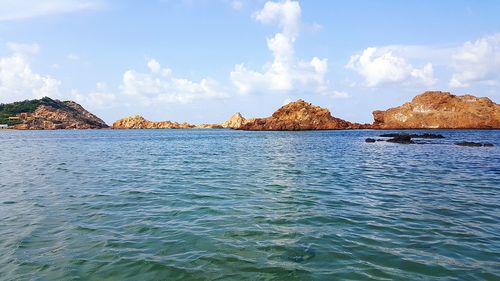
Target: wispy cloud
column 12, row 10
column 72, row 56
column 160, row 86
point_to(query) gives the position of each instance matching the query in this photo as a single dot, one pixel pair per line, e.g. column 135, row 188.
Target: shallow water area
column 226, row 205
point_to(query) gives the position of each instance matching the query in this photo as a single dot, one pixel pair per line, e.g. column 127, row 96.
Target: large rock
column 433, row 110
column 52, row 114
column 138, row 122
column 234, row 122
column 299, row 115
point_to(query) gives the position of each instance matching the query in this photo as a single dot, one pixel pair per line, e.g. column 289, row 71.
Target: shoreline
column 230, row 129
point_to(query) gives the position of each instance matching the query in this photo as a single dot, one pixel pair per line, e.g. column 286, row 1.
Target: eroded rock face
column 138, row 122
column 440, row 110
column 67, row 115
column 234, row 122
column 300, row 115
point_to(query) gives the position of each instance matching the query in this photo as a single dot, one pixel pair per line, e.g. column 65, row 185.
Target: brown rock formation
column 138, row 122
column 433, row 110
column 208, row 126
column 58, row 115
column 300, row 115
column 234, row 122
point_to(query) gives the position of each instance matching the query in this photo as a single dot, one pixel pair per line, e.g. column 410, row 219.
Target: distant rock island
column 48, row 114
column 429, row 110
column 299, row 115
column 138, row 122
column 440, row 110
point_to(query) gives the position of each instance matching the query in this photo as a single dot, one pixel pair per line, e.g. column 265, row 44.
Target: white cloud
column 17, row 10
column 17, row 79
column 286, row 73
column 477, row 61
column 100, row 97
column 286, row 14
column 160, row 86
column 154, row 66
column 384, row 67
column 338, row 94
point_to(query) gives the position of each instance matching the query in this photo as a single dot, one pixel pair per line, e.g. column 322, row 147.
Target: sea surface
column 236, row 205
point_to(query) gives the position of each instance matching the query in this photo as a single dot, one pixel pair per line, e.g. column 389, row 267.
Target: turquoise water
column 234, row 205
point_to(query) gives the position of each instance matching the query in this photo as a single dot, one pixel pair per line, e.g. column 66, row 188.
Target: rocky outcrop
column 138, row 122
column 234, row 122
column 54, row 114
column 440, row 110
column 300, row 115
column 405, row 138
column 208, row 126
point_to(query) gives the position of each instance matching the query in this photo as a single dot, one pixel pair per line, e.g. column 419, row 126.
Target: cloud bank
column 379, row 68
column 159, row 85
column 18, row 81
column 286, row 73
column 477, row 61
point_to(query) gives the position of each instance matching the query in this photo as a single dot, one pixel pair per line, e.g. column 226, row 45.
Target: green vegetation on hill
column 29, row 106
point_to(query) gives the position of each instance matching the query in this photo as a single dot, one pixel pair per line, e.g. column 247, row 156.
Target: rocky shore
column 429, row 110
column 48, row 114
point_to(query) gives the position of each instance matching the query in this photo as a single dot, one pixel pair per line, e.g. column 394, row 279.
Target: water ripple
column 226, row 205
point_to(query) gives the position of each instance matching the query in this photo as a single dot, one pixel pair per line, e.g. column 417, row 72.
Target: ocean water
column 235, row 205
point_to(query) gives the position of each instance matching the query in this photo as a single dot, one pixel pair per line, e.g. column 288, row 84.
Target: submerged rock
column 370, row 140
column 473, row 144
column 432, row 110
column 416, row 136
column 402, row 139
column 300, row 254
column 300, row 115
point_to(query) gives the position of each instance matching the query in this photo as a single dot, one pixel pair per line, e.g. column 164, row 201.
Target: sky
column 201, row 61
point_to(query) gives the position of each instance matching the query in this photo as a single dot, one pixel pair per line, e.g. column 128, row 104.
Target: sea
column 244, row 205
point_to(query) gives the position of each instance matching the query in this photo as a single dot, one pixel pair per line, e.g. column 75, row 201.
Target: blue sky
column 202, row 60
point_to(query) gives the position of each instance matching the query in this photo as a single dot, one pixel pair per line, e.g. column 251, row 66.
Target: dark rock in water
column 473, row 144
column 402, row 139
column 416, row 136
column 429, row 136
column 370, row 140
column 392, row 135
